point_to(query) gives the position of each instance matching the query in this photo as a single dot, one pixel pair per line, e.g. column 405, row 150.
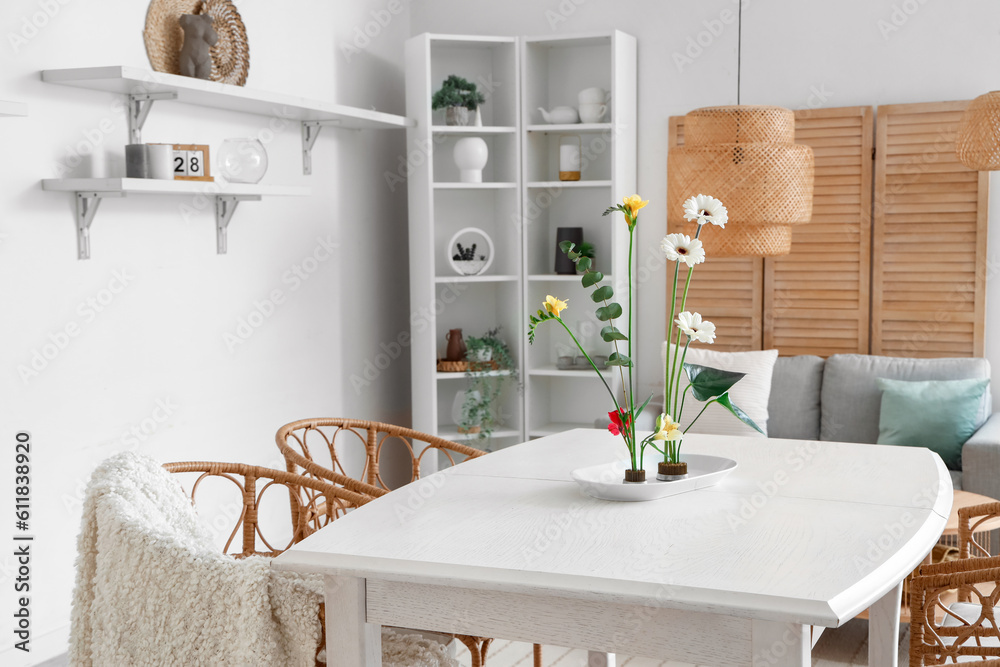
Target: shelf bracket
column 225, row 206
column 139, row 105
column 310, row 132
column 87, row 204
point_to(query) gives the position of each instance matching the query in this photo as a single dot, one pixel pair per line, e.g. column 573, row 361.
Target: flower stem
column 630, row 396
column 668, row 380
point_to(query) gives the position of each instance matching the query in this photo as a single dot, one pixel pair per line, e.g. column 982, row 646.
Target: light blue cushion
column 938, row 414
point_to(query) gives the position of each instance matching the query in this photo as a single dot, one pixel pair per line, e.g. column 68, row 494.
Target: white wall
column 795, row 54
column 161, row 339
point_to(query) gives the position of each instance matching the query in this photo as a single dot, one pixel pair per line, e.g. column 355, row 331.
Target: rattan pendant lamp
column 745, row 156
column 978, row 142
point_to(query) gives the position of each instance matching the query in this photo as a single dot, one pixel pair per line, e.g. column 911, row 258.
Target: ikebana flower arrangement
column 707, row 385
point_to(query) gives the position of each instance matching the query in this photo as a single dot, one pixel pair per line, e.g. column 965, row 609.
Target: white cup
column 161, row 161
column 592, row 113
column 592, row 96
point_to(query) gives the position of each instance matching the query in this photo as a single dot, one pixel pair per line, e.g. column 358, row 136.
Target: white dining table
column 801, row 536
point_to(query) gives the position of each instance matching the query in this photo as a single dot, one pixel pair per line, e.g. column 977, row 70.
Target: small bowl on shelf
column 469, row 267
column 565, row 364
column 600, row 361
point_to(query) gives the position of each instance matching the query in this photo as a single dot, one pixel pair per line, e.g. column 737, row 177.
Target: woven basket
column 444, row 366
column 164, row 38
column 743, row 156
column 978, row 142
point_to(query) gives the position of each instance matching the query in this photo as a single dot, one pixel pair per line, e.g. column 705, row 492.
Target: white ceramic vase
column 471, row 155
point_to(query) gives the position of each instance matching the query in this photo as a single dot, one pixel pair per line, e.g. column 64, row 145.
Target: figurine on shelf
column 199, row 38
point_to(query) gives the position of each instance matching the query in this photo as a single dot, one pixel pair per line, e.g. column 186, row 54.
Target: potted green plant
column 457, row 97
column 491, row 367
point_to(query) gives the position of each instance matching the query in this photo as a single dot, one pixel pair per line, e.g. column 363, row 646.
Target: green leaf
column 591, row 278
column 583, row 264
column 566, row 246
column 642, row 407
column 602, row 294
column 619, row 360
column 610, row 333
column 707, row 383
column 727, row 403
column 609, row 312
column 573, row 255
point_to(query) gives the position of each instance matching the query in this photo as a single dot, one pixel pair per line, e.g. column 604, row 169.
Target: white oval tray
column 604, row 481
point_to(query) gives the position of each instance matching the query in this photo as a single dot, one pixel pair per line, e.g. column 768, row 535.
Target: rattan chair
column 319, row 448
column 315, row 503
column 944, row 631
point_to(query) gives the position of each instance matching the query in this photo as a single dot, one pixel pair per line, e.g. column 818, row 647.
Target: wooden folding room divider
column 894, row 259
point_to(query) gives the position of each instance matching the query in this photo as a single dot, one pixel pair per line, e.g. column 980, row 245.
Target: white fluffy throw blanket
column 152, row 589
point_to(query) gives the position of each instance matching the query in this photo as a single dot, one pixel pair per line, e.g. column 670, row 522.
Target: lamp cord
column 739, row 48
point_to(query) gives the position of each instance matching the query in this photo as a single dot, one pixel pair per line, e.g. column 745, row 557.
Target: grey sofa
column 837, row 400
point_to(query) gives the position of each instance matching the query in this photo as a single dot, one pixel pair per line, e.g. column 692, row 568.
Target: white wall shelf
column 570, row 184
column 553, row 371
column 572, row 127
column 559, row 278
column 459, row 376
column 143, row 87
column 475, row 186
column 451, row 433
column 12, row 109
column 476, row 279
column 91, row 191
column 473, row 131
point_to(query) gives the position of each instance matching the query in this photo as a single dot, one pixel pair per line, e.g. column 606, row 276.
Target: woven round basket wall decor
column 164, row 38
column 746, row 157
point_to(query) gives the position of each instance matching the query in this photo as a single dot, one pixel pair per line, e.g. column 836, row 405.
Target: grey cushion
column 851, row 400
column 794, row 405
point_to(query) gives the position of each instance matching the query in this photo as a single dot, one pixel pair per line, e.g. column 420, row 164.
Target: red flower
column 616, row 426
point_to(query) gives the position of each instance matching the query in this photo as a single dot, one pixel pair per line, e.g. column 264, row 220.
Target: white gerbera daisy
column 702, row 209
column 695, row 328
column 683, row 248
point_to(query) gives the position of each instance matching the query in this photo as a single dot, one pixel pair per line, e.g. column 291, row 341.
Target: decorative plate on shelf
column 604, row 481
column 164, row 38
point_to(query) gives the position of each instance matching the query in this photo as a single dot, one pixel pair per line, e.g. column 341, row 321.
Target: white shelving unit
column 143, row 88
column 12, row 109
column 440, row 205
column 520, row 205
column 90, row 192
column 553, row 71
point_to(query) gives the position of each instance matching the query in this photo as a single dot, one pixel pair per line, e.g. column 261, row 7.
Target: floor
column 841, row 647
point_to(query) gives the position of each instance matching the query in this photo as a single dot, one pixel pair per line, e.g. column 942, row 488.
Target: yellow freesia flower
column 634, row 203
column 554, row 305
column 667, row 429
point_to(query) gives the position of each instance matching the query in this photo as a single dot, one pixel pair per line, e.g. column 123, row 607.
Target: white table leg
column 883, row 629
column 595, row 659
column 351, row 641
column 781, row 644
